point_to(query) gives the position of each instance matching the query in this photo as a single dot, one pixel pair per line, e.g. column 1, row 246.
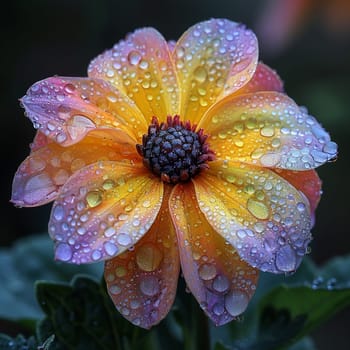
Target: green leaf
column 28, row 260
column 288, row 308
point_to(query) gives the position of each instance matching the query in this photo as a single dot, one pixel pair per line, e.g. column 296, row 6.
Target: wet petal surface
column 221, row 282
column 142, row 68
column 308, row 182
column 66, row 109
column 102, row 210
column 265, row 218
column 142, row 282
column 264, row 79
column 213, row 59
column 42, row 174
column 267, row 129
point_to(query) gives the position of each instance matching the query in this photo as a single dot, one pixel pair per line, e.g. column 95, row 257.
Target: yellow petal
column 267, row 129
column 142, row 68
column 213, row 59
column 221, row 282
column 102, row 210
column 264, row 217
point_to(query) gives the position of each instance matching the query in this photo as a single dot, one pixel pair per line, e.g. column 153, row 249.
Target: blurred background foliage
column 307, row 42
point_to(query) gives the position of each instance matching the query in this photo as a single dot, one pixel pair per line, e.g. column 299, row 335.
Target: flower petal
column 264, row 79
column 265, row 218
column 66, row 109
column 267, row 129
column 42, row 174
column 142, row 68
column 213, row 59
column 102, row 210
column 142, row 282
column 308, row 182
column 221, row 282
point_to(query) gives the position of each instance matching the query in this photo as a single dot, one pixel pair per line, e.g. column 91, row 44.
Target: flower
column 166, row 155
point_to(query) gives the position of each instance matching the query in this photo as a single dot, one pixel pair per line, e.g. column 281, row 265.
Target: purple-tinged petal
column 265, row 218
column 267, row 129
column 221, row 282
column 142, row 282
column 66, row 109
column 104, row 209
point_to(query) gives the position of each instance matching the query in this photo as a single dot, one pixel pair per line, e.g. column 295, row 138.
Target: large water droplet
column 258, row 209
column 94, row 198
column 148, row 257
column 149, row 285
column 236, row 302
column 286, row 260
column 200, row 74
column 134, row 57
column 207, row 272
column 63, row 252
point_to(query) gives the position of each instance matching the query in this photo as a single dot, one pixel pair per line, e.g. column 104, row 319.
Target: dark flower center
column 174, row 150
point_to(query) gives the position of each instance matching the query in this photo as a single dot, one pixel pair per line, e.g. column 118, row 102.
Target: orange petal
column 142, row 282
column 308, row 182
column 66, row 109
column 264, row 217
column 267, row 129
column 264, row 79
column 102, row 210
column 221, row 282
column 42, row 174
column 142, row 68
column 213, row 59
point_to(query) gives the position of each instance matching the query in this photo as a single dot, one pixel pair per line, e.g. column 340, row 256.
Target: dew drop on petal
column 221, row 283
column 258, row 209
column 236, row 302
column 286, row 260
column 63, row 252
column 149, row 285
column 207, row 272
column 124, row 239
column 94, row 198
column 110, row 248
column 148, row 257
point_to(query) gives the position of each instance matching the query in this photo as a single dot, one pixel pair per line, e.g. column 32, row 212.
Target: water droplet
column 124, row 239
column 149, row 285
column 221, row 283
column 236, row 302
column 114, row 289
column 69, row 88
column 148, row 257
column 120, row 271
column 108, row 184
column 207, row 272
column 267, row 131
column 301, row 206
column 96, row 255
column 94, row 198
column 110, row 248
column 134, row 57
column 200, row 74
column 286, row 260
column 58, row 212
column 63, row 252
column 258, row 209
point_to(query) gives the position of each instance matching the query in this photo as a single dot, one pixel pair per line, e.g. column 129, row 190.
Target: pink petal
column 42, row 174
column 66, row 109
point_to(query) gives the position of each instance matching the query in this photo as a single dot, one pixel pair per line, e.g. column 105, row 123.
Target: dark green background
column 43, row 38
